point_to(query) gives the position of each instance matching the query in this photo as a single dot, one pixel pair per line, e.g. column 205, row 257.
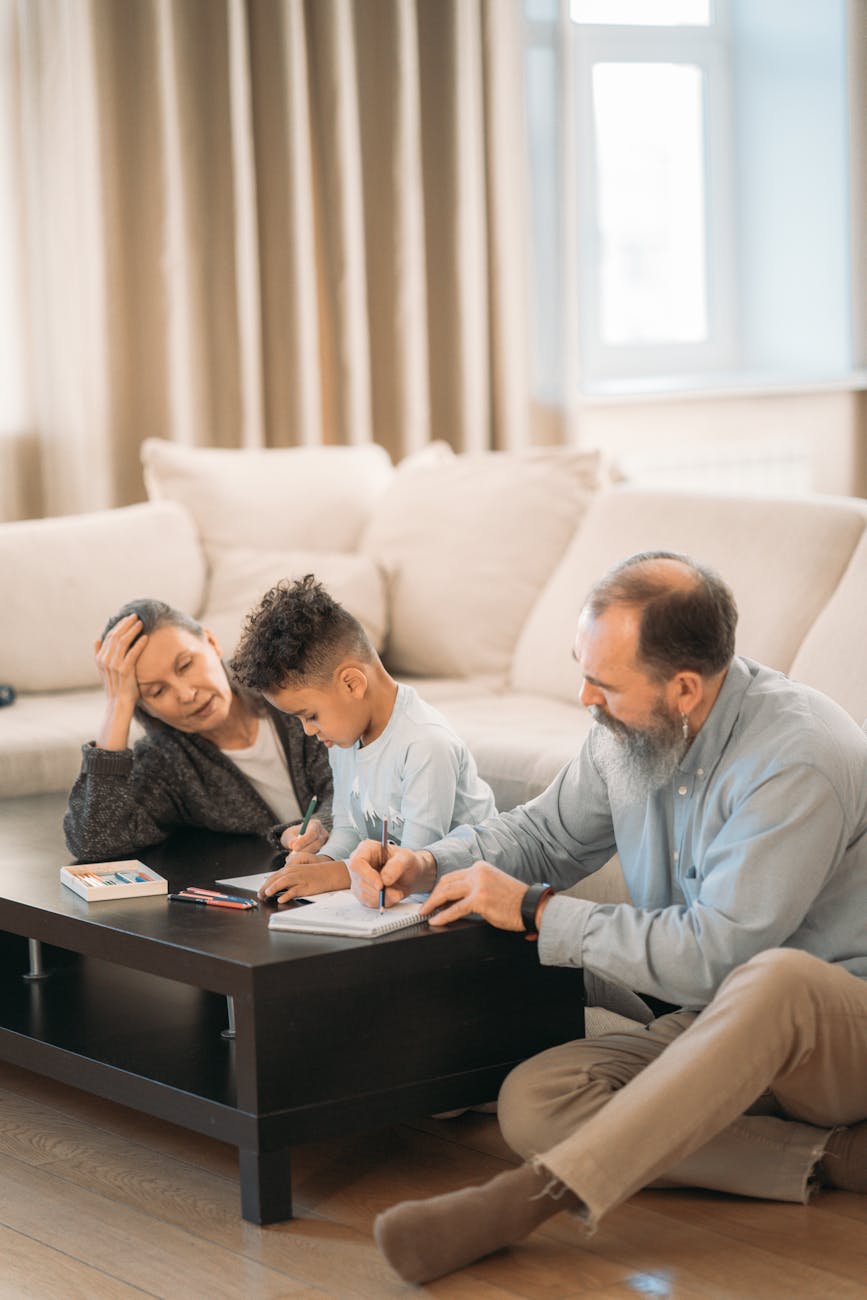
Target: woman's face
column 182, row 681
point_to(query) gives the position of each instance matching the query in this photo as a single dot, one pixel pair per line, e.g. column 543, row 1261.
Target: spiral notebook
column 341, row 913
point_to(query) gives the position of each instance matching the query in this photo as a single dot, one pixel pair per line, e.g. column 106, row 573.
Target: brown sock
column 844, row 1164
column 425, row 1239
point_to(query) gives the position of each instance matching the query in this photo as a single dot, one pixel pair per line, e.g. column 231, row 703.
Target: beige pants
column 741, row 1097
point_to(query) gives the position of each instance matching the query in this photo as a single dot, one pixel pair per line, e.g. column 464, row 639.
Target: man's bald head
column 687, row 614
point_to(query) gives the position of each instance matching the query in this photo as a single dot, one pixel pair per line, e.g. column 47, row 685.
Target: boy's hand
column 305, row 874
column 310, row 842
column 482, row 889
column 403, row 873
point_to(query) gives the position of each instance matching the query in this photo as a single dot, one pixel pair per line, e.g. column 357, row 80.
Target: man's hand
column 310, row 842
column 482, row 889
column 404, row 872
column 303, row 874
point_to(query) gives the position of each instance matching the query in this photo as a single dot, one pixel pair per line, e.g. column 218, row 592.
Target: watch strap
column 529, row 904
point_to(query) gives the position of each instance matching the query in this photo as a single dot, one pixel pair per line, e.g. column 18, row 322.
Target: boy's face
column 337, row 713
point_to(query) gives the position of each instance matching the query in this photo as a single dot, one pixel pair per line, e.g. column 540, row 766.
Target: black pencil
column 384, row 860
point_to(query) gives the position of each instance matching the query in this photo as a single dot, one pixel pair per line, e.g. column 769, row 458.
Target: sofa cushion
column 61, row 579
column 782, row 558
column 520, row 742
column 318, row 498
column 41, row 738
column 467, row 542
column 831, row 657
column 241, row 576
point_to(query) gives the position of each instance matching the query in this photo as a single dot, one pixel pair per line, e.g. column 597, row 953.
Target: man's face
column 330, row 712
column 644, row 743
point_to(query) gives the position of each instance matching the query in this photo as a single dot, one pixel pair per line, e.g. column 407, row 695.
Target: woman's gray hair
column 153, row 614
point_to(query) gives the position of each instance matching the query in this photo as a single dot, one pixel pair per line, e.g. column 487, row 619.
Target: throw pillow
column 240, row 577
column 318, row 498
column 467, row 542
column 782, row 559
column 61, row 579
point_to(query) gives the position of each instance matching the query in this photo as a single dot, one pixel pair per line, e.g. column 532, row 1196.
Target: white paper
column 247, row 882
column 341, row 913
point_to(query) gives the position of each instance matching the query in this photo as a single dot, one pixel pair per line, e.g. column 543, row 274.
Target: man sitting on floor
column 737, row 801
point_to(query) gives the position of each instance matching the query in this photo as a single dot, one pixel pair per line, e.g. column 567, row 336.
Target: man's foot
column 425, row 1239
column 844, row 1164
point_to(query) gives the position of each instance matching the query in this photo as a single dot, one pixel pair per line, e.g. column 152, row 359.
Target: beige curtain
column 264, row 223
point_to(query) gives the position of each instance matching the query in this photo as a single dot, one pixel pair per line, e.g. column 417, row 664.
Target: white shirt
column 264, row 765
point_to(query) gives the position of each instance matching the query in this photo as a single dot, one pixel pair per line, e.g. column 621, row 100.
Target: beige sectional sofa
column 468, row 572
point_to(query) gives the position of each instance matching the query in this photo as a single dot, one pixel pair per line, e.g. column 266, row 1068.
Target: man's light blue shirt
column 760, row 841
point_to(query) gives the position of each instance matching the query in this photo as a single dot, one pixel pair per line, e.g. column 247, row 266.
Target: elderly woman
column 212, row 755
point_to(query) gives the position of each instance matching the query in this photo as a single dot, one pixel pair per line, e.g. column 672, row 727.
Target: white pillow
column 61, row 579
column 318, row 498
column 781, row 557
column 829, row 657
column 467, row 542
column 239, row 579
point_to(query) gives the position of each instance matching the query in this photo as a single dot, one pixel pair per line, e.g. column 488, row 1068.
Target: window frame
column 708, row 48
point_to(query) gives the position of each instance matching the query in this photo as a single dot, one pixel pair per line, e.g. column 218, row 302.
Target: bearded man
column 737, row 801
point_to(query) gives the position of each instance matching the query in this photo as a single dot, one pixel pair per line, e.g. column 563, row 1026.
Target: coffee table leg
column 37, row 970
column 266, row 1185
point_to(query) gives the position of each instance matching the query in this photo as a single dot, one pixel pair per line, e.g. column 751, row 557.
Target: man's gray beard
column 636, row 763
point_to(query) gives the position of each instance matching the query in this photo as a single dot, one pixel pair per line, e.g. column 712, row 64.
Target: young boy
column 393, row 757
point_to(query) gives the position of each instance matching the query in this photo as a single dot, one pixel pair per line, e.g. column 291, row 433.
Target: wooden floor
column 99, row 1202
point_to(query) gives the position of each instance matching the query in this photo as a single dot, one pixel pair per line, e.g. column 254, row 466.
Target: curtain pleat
column 392, row 175
column 340, row 212
column 287, row 224
column 266, row 223
column 247, row 258
column 506, row 222
column 64, row 217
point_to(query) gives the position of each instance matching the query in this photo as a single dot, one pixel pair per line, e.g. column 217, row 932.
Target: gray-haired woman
column 212, row 755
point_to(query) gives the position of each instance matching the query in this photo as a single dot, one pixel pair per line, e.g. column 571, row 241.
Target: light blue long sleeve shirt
column 418, row 774
column 760, row 841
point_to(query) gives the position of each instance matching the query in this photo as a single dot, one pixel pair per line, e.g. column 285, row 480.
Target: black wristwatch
column 529, row 904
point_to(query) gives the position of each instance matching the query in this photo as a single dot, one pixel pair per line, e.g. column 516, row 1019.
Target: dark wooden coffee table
column 331, row 1035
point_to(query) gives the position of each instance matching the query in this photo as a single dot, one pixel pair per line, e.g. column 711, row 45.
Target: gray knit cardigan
column 126, row 800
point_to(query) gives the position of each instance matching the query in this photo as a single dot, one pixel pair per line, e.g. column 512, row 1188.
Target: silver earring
column 684, row 726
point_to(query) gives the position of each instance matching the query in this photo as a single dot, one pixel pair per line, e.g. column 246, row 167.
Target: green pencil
column 309, row 813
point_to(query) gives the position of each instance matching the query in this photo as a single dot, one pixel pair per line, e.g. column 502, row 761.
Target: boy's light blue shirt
column 418, row 773
column 760, row 841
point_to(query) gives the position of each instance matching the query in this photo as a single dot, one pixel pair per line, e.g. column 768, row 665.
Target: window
column 689, row 201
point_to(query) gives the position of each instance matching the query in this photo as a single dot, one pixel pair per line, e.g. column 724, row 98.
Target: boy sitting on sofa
column 393, row 757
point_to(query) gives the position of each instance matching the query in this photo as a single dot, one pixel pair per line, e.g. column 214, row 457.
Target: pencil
column 384, row 860
column 309, row 813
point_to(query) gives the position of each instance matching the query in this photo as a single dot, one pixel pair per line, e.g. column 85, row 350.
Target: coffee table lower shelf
column 159, row 1046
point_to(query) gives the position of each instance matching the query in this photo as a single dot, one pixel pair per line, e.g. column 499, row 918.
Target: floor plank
column 100, row 1202
column 30, row 1269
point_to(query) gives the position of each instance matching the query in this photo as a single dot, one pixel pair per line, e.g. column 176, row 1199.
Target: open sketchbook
column 341, row 913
